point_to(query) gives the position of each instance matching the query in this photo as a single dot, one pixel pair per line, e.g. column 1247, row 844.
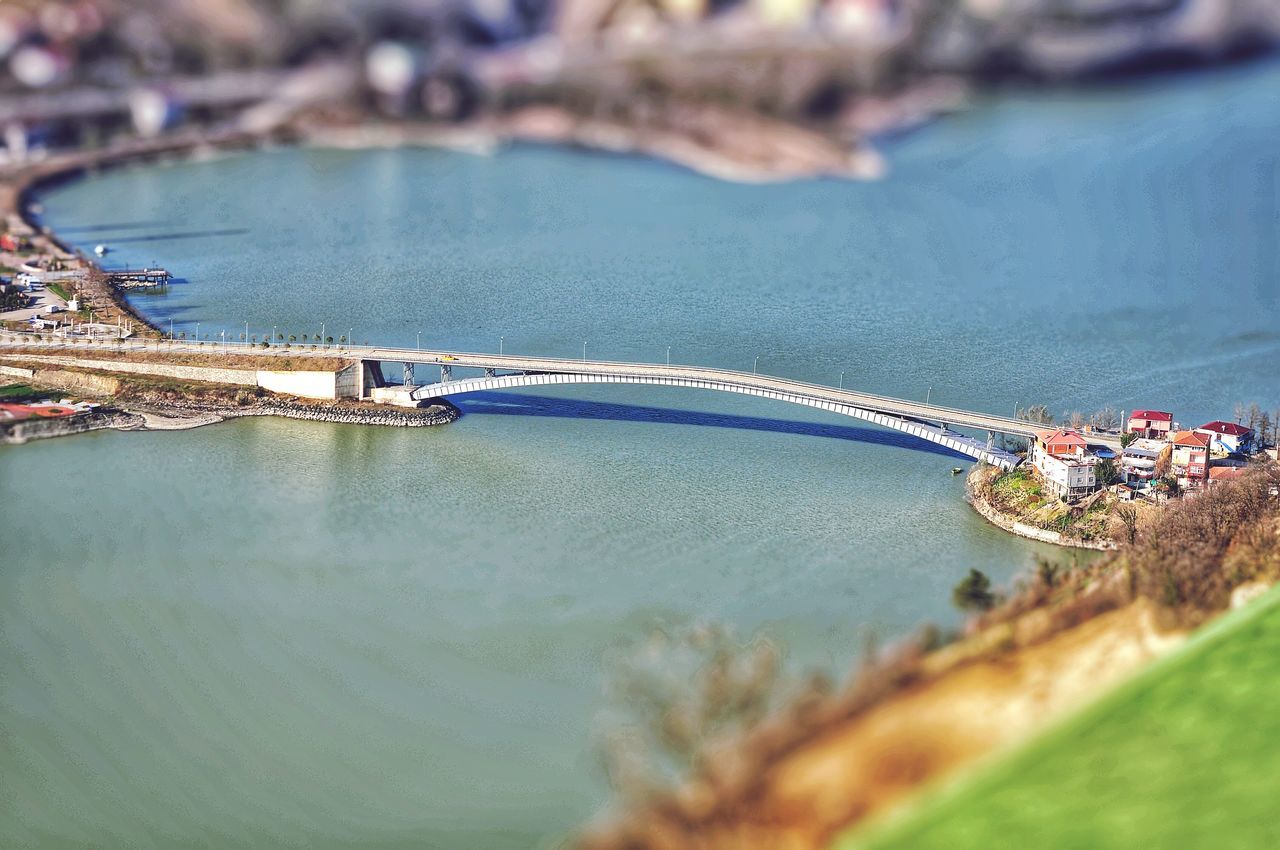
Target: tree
column 1105, row 471
column 304, row 339
column 1239, row 411
column 1047, row 571
column 1164, row 461
column 294, row 338
column 1037, row 413
column 1128, row 515
column 973, row 593
column 1127, row 438
column 1254, row 414
column 1106, row 419
column 1264, row 429
column 1075, row 419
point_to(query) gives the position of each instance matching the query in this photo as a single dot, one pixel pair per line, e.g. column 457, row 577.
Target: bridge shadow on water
column 516, row 404
column 187, row 234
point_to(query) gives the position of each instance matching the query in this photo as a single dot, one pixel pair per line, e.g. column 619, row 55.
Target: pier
column 132, row 279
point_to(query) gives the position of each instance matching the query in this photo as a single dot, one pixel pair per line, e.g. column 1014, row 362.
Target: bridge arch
column 928, row 431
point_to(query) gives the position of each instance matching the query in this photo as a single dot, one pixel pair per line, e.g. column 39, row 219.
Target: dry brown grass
column 913, row 714
column 211, row 358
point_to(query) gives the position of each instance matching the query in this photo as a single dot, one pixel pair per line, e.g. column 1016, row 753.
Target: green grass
column 58, row 290
column 23, row 392
column 1186, row 755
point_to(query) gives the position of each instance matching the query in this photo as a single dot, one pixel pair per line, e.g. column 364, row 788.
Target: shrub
column 973, row 593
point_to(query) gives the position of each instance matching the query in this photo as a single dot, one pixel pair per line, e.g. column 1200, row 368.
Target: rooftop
column 1156, row 415
column 1191, row 438
column 1219, row 427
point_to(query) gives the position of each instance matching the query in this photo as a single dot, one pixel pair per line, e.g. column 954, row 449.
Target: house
column 1151, row 424
column 1138, row 461
column 1062, row 458
column 1228, row 438
column 1123, row 492
column 1218, row 474
column 1190, row 459
column 14, row 242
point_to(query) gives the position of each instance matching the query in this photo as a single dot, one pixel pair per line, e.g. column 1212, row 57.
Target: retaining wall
column 324, row 385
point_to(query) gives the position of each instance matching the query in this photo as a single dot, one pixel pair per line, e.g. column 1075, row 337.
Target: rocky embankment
column 17, row 433
column 978, row 492
column 440, row 413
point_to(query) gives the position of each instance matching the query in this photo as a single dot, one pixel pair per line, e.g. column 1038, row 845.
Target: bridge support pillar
column 446, row 374
column 491, row 373
column 370, row 376
column 991, row 439
column 408, row 374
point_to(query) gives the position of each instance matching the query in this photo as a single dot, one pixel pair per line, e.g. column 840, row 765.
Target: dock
column 147, row 278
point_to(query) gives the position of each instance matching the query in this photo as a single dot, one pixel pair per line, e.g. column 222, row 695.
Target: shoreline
column 122, row 415
column 1014, row 526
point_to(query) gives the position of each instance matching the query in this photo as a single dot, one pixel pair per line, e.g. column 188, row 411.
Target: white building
column 1062, row 458
column 1138, row 461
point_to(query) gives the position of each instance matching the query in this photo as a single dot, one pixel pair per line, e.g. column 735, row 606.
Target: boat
column 100, row 249
column 956, row 470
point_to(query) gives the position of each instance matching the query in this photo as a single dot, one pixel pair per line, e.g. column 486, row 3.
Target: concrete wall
column 15, row 372
column 348, row 381
column 243, row 377
column 302, row 384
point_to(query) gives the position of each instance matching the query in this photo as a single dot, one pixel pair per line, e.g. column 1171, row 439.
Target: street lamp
column 322, row 337
column 928, row 395
column 668, row 355
column 755, row 367
column 246, row 333
column 273, row 334
column 841, row 379
column 419, row 340
column 501, row 343
column 197, row 332
column 584, row 351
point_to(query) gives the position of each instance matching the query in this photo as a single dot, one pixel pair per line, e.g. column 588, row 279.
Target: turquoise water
column 282, row 633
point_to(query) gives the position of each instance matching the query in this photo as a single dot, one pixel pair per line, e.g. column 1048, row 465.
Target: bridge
column 944, row 426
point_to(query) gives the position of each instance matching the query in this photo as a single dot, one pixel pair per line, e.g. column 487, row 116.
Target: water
column 271, row 632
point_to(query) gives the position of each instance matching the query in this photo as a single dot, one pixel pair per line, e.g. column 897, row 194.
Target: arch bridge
column 933, row 423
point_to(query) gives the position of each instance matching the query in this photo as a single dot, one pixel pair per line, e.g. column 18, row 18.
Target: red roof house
column 1191, row 457
column 1151, row 424
column 1062, row 442
column 1228, row 437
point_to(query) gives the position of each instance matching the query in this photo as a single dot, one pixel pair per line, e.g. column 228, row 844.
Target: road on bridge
column 903, row 408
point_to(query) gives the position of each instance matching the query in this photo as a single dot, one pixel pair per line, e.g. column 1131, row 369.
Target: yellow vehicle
column 447, row 357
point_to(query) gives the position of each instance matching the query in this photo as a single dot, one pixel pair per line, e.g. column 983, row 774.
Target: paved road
column 905, row 408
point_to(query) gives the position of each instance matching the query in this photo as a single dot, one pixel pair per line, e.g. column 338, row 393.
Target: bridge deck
column 936, row 421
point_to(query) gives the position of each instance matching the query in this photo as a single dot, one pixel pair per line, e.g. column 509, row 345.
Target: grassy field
column 1187, row 755
column 58, row 290
column 13, row 392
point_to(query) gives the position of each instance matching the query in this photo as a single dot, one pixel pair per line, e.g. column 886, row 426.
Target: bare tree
column 1106, row 419
column 676, row 695
column 1254, row 415
column 1075, row 419
column 1037, row 413
column 1129, row 516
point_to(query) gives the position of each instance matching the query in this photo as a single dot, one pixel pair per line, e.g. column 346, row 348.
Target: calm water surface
column 282, row 633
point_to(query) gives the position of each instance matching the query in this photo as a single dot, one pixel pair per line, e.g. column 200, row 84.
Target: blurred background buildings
column 83, row 72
